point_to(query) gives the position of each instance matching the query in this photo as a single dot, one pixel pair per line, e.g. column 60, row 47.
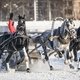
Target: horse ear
column 11, row 15
column 19, row 17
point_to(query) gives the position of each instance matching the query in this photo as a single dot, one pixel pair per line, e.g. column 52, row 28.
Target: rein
column 7, row 41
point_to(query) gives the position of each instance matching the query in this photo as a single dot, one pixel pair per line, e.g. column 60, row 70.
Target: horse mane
column 62, row 28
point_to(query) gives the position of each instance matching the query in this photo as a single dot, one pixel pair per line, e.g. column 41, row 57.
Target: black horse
column 61, row 35
column 75, row 45
column 14, row 42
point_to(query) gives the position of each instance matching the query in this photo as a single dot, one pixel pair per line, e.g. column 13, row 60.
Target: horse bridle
column 72, row 30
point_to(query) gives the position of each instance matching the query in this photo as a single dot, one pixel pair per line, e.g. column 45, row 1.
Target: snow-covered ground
column 54, row 75
column 40, row 71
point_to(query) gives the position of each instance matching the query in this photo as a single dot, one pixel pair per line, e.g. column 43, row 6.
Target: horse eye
column 74, row 25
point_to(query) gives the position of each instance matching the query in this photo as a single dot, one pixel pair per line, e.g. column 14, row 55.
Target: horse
column 62, row 35
column 14, row 42
column 75, row 45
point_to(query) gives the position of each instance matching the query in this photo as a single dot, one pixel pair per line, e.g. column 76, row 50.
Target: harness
column 12, row 37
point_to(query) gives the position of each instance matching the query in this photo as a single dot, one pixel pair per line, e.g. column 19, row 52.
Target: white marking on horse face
column 71, row 26
column 73, row 33
column 72, row 29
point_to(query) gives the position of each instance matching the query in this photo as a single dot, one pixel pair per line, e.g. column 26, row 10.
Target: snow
column 40, row 71
column 60, row 75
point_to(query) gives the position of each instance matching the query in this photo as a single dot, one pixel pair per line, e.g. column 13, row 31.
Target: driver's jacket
column 11, row 26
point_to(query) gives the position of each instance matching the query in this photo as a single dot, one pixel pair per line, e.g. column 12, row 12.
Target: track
column 40, row 71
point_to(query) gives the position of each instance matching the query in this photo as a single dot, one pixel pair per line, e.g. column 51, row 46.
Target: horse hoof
column 60, row 56
column 51, row 68
column 75, row 60
column 78, row 68
column 8, row 70
column 28, row 70
column 71, row 66
column 66, row 62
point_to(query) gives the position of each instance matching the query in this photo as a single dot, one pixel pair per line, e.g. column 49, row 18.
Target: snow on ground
column 40, row 71
column 53, row 75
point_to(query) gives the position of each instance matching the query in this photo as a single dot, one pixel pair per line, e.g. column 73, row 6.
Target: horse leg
column 75, row 54
column 51, row 67
column 6, row 62
column 70, row 56
column 67, row 56
column 1, row 53
column 59, row 53
column 46, row 56
column 27, row 60
column 45, row 51
column 27, row 50
column 68, row 59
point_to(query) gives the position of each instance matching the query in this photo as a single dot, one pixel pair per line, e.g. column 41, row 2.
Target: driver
column 11, row 24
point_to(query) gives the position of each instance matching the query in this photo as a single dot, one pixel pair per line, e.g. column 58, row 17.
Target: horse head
column 69, row 24
column 68, row 29
column 21, row 25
